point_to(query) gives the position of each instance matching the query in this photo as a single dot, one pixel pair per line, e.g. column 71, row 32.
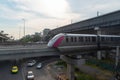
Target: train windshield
column 57, row 36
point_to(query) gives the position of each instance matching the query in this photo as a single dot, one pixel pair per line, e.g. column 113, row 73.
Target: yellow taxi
column 14, row 69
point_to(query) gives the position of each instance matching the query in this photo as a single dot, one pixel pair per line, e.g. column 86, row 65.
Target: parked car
column 39, row 66
column 30, row 75
column 31, row 63
column 14, row 69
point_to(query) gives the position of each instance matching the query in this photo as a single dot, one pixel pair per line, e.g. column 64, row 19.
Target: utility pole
column 19, row 32
column 24, row 26
column 71, row 21
column 97, row 13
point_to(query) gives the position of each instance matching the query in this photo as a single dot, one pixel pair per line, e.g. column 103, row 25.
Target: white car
column 30, row 75
column 39, row 65
column 31, row 63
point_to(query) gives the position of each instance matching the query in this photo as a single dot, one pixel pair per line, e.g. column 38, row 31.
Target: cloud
column 40, row 14
column 52, row 8
column 89, row 9
column 9, row 13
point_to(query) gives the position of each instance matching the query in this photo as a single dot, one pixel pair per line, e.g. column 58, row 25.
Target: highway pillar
column 117, row 73
column 98, row 33
column 70, row 71
column 117, row 56
column 99, row 55
column 71, row 61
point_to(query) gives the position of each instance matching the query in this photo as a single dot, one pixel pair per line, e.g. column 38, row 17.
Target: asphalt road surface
column 40, row 74
column 5, row 71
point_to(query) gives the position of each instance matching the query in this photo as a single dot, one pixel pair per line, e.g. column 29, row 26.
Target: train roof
column 68, row 34
column 80, row 35
column 109, row 35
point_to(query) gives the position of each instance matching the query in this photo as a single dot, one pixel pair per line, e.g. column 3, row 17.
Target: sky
column 41, row 14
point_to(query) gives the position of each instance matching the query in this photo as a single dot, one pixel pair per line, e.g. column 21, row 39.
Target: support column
column 117, row 56
column 117, row 74
column 70, row 71
column 71, row 61
column 98, row 33
column 99, row 55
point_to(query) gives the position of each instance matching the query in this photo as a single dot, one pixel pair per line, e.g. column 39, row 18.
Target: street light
column 24, row 26
column 19, row 32
column 97, row 13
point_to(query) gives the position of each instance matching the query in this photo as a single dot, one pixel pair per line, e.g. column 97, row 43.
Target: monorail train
column 64, row 41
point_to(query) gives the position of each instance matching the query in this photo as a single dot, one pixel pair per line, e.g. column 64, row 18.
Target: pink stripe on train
column 58, row 41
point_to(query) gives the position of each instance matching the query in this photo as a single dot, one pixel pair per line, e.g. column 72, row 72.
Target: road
column 40, row 74
column 12, row 47
column 18, row 52
column 5, row 73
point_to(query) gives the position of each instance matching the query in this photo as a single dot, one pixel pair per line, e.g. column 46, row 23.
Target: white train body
column 73, row 41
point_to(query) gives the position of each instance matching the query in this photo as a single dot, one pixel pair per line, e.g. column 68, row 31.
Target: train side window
column 102, row 38
column 111, row 38
column 117, row 38
column 80, row 39
column 88, row 39
column 93, row 39
column 84, row 39
column 108, row 39
column 114, row 38
column 67, row 39
column 75, row 39
column 71, row 39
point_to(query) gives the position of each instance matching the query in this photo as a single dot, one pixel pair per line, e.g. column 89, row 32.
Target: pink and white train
column 64, row 41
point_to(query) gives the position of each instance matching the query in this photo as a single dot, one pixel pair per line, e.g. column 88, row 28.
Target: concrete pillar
column 70, row 71
column 99, row 55
column 70, row 65
column 117, row 56
column 98, row 52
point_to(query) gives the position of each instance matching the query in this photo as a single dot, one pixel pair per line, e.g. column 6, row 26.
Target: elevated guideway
column 19, row 52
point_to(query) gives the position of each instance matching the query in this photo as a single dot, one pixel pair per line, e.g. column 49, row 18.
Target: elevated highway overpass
column 107, row 24
column 20, row 52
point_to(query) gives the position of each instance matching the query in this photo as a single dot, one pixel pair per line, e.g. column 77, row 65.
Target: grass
column 78, row 74
column 61, row 63
column 83, row 76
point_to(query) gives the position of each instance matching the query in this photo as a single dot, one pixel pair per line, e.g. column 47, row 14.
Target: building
column 3, row 37
column 45, row 32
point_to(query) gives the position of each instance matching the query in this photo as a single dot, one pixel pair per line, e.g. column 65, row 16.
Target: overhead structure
column 106, row 24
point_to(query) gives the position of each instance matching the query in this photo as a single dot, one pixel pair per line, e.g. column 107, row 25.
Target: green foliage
column 61, row 63
column 26, row 39
column 79, row 75
column 31, row 38
column 83, row 76
column 36, row 38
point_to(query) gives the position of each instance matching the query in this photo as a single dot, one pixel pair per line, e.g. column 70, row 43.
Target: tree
column 26, row 39
column 31, row 38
